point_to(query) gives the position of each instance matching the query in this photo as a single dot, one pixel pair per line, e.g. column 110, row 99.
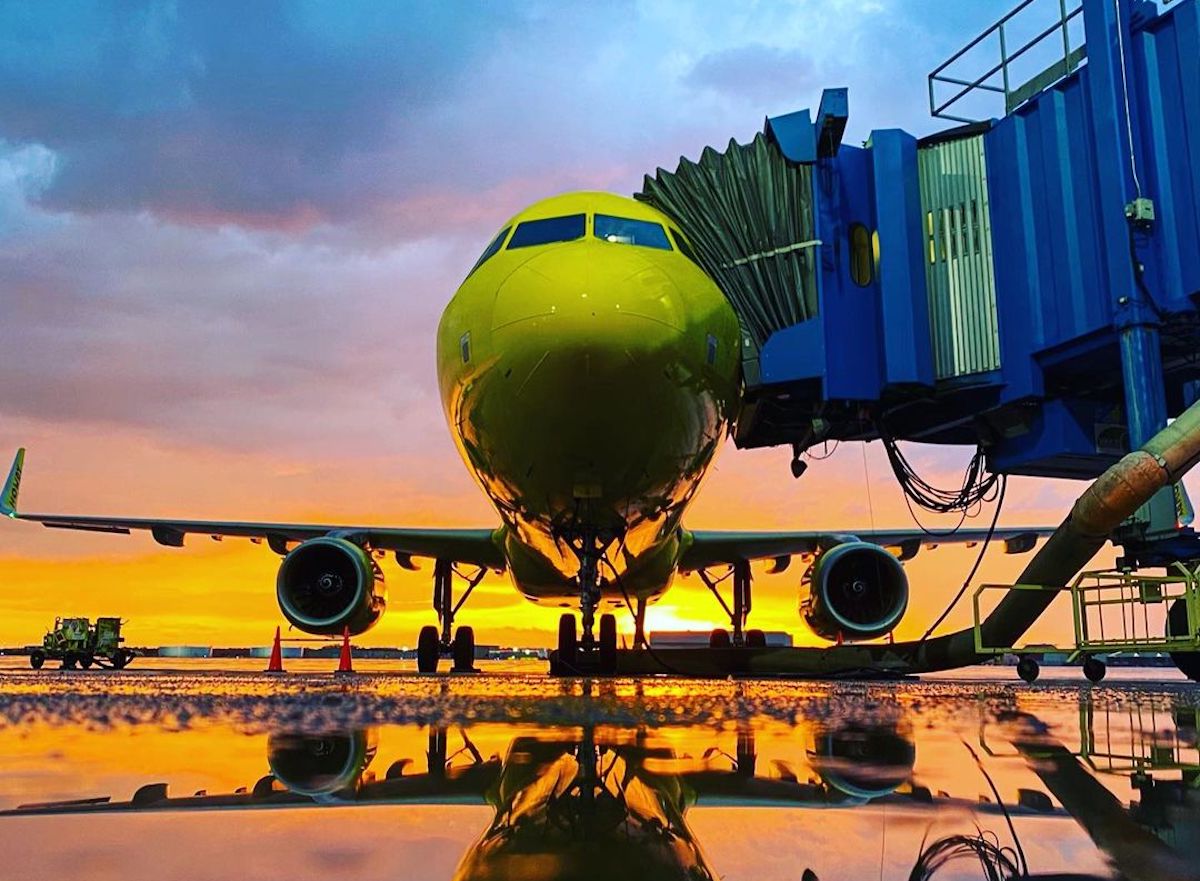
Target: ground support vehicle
column 77, row 642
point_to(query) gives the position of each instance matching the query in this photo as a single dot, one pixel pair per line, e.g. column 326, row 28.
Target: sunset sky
column 227, row 232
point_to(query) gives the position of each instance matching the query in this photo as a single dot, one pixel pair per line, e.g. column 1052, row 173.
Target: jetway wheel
column 428, row 650
column 1177, row 625
column 719, row 639
column 1028, row 669
column 568, row 642
column 464, row 650
column 608, row 643
column 1094, row 669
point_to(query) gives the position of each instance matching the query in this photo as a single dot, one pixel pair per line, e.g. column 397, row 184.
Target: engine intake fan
column 853, row 591
column 328, row 584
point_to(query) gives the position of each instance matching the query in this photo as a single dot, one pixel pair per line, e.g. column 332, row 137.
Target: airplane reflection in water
column 605, row 802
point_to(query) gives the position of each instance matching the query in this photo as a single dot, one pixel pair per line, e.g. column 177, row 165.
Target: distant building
column 184, row 651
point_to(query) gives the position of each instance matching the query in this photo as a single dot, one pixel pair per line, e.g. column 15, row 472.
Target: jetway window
column 862, row 258
column 548, row 231
column 490, row 250
column 625, row 231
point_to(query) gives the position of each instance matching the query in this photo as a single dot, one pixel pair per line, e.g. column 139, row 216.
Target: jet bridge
column 1027, row 283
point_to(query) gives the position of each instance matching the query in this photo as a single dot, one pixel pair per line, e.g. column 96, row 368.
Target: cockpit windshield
column 548, row 230
column 631, row 232
column 491, row 249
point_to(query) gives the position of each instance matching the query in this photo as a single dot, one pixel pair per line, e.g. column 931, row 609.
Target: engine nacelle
column 854, row 590
column 863, row 761
column 328, row 584
column 320, row 765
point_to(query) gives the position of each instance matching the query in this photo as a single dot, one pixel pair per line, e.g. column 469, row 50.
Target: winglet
column 12, row 486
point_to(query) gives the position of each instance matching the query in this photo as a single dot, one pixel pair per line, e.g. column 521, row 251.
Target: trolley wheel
column 719, row 639
column 1177, row 625
column 85, row 661
column 1094, row 669
column 427, row 650
column 464, row 650
column 756, row 639
column 568, row 642
column 1028, row 669
column 36, row 659
column 608, row 643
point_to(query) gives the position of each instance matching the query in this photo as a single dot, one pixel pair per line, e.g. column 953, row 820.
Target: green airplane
column 589, row 370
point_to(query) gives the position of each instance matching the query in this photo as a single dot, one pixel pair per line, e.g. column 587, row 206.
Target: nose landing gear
column 587, row 654
column 433, row 645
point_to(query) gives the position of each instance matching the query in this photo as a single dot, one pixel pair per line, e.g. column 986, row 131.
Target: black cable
column 978, row 560
column 997, row 865
column 978, row 485
column 1012, row 830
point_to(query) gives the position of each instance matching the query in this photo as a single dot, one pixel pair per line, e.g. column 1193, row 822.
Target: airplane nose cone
column 584, row 291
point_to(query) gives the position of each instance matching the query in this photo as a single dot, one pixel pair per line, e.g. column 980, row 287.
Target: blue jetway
column 1028, row 284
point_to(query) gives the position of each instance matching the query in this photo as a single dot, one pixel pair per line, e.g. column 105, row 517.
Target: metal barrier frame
column 1012, row 97
column 1133, row 590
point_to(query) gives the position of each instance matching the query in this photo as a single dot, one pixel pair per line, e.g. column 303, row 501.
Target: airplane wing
column 717, row 548
column 478, row 547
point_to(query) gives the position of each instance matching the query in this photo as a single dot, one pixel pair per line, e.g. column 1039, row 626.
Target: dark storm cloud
column 268, row 113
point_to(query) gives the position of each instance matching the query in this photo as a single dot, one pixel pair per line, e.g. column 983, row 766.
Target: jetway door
column 959, row 269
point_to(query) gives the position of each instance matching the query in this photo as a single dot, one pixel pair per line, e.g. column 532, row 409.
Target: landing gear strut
column 432, row 644
column 739, row 572
column 585, row 653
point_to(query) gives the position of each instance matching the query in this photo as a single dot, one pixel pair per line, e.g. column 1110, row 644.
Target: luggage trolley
column 1115, row 611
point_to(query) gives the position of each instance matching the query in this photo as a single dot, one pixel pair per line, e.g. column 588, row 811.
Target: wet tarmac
column 199, row 770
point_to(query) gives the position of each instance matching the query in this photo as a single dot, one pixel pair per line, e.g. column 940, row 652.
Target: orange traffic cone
column 276, row 663
column 345, row 665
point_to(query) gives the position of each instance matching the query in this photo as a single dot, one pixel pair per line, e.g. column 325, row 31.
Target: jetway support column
column 1113, row 100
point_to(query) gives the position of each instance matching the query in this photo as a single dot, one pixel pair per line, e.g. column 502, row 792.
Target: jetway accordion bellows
column 748, row 215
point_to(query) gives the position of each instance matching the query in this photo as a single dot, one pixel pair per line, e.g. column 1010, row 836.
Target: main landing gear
column 741, row 637
column 433, row 644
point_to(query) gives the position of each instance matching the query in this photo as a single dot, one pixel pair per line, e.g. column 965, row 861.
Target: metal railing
column 1013, row 97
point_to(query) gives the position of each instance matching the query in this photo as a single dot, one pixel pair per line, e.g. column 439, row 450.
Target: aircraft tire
column 1028, row 669
column 719, row 639
column 1177, row 624
column 427, row 650
column 568, row 642
column 36, row 659
column 464, row 650
column 608, row 643
column 756, row 639
column 1094, row 669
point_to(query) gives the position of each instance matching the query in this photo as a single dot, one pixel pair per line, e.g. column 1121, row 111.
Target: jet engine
column 863, row 760
column 328, row 584
column 854, row 590
column 320, row 765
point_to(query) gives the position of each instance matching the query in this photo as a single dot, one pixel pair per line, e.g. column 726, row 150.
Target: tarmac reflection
column 987, row 790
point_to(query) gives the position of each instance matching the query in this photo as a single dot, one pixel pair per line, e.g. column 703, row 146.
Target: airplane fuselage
column 589, row 381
